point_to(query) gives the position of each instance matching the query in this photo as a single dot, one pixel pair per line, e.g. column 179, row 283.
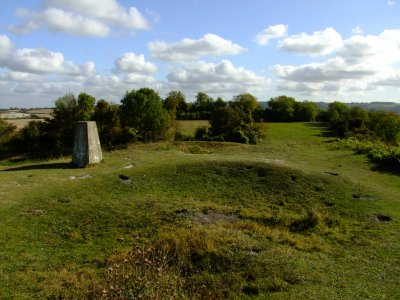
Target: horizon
column 347, row 51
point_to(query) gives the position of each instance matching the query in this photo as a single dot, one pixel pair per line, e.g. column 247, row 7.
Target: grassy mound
column 226, row 221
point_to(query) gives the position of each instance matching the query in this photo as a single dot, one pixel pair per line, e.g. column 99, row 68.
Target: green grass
column 188, row 128
column 285, row 219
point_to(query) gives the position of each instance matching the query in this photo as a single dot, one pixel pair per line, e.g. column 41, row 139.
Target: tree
column 108, row 123
column 358, row 119
column 6, row 133
column 175, row 103
column 245, row 104
column 386, row 125
column 219, row 103
column 338, row 117
column 60, row 130
column 224, row 120
column 143, row 111
column 85, row 106
column 204, row 105
column 305, row 111
column 280, row 109
column 235, row 122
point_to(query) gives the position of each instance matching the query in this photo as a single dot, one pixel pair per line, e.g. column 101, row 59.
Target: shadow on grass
column 324, row 127
column 47, row 166
column 387, row 169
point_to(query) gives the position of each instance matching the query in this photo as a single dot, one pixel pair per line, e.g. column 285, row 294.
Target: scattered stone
column 329, row 203
column 130, row 166
column 80, row 177
column 277, row 161
column 362, row 197
column 332, row 173
column 383, row 218
column 33, row 212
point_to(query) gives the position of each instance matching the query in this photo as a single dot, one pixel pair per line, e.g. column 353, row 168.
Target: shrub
column 6, row 133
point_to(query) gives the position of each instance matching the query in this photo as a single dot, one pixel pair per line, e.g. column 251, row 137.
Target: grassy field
column 286, row 219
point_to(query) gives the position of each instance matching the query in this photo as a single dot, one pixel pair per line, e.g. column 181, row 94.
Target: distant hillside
column 383, row 106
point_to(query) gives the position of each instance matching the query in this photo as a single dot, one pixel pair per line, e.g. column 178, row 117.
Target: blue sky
column 316, row 50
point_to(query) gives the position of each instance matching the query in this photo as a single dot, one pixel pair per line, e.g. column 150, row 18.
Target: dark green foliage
column 386, row 125
column 280, row 109
column 60, row 129
column 108, row 124
column 305, row 111
column 287, row 109
column 85, row 106
column 143, row 111
column 224, row 119
column 203, row 106
column 6, row 133
column 234, row 122
column 30, row 138
column 175, row 103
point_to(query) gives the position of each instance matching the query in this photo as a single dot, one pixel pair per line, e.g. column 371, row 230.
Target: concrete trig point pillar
column 87, row 149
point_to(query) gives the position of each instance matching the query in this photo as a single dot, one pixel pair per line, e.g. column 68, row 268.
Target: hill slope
column 197, row 220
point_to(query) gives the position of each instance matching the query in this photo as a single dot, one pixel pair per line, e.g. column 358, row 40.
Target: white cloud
column 391, row 3
column 36, row 61
column 87, row 69
column 362, row 63
column 105, row 10
column 357, row 30
column 132, row 63
column 269, row 33
column 58, row 20
column 6, row 47
column 83, row 18
column 216, row 78
column 374, row 51
column 319, row 43
column 189, row 49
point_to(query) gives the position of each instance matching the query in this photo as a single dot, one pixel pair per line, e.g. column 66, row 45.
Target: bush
column 6, row 133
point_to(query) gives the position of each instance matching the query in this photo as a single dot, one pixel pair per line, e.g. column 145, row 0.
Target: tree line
column 144, row 116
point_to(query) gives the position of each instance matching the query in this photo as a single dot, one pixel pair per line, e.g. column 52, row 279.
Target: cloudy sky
column 347, row 50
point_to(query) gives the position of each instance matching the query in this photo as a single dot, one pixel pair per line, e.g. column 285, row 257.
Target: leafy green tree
column 219, row 103
column 30, row 138
column 245, row 104
column 305, row 111
column 6, row 133
column 338, row 117
column 203, row 106
column 108, row 123
column 175, row 103
column 280, row 109
column 143, row 111
column 386, row 125
column 224, row 120
column 235, row 122
column 60, row 130
column 85, row 106
column 358, row 119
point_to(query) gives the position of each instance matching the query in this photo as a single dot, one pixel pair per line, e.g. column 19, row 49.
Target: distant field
column 285, row 219
column 188, row 128
column 40, row 113
column 21, row 123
